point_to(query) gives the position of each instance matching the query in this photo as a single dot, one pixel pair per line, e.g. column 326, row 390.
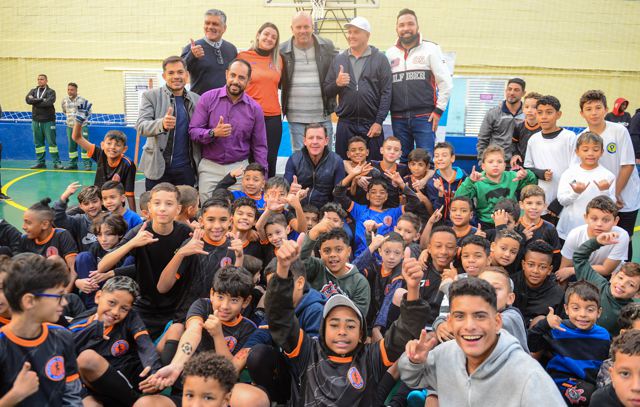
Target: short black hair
column 116, row 223
column 244, row 201
column 166, row 187
column 109, row 185
column 475, row 287
column 603, row 203
column 357, row 139
column 31, row 273
column 510, row 206
column 75, row 85
column 252, row 264
column 333, row 234
column 222, row 194
column 298, row 270
column 406, row 11
column 378, row 181
column 242, row 61
column 44, row 210
column 232, row 280
column 539, row 246
column 394, row 237
column 215, row 202
column 444, row 144
column 462, row 198
column 517, row 81
column 627, row 343
column 583, row 289
column 419, row 154
column 172, row 60
column 254, row 167
column 277, row 182
column 116, row 135
column 309, row 208
column 333, row 207
column 628, row 315
column 549, row 100
column 445, row 229
column 276, row 219
column 212, row 366
column 477, row 241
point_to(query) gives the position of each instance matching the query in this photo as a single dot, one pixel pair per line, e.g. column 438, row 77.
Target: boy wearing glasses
column 37, row 359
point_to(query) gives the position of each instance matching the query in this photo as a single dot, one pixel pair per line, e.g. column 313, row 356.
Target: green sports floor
column 26, row 186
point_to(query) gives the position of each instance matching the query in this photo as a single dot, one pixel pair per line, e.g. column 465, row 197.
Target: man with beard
column 168, row 155
column 208, row 58
column 421, row 86
column 229, row 125
column 500, row 121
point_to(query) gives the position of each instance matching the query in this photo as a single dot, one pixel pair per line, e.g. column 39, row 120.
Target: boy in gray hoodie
column 484, row 366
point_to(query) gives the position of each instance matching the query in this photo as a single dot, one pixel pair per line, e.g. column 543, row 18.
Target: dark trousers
column 268, row 369
column 273, row 125
column 628, row 222
column 347, row 129
column 176, row 176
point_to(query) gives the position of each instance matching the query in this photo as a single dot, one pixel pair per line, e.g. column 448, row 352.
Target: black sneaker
column 57, row 166
column 87, row 166
column 70, row 167
column 38, row 166
column 3, row 196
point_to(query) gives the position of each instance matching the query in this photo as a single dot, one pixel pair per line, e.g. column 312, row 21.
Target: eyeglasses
column 219, row 56
column 45, row 295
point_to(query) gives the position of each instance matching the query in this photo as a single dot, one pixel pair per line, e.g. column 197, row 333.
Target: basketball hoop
column 317, row 10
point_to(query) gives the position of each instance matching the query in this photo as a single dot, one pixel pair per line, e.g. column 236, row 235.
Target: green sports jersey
column 487, row 193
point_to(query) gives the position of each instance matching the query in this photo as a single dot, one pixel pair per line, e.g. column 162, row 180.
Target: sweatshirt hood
column 616, row 106
column 339, row 300
column 309, row 298
column 506, row 346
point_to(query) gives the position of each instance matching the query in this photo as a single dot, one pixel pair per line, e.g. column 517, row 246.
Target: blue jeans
column 414, row 131
column 297, row 134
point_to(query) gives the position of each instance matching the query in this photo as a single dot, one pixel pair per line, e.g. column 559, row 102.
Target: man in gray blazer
column 165, row 112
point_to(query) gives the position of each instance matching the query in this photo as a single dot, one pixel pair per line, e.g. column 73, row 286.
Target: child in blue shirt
column 252, row 183
column 113, row 198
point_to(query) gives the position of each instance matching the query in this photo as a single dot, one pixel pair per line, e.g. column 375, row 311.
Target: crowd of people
column 375, row 273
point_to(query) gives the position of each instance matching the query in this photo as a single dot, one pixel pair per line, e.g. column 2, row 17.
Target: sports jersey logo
column 388, row 220
column 226, row 261
column 51, row 251
column 119, row 347
column 231, row 342
column 355, row 378
column 330, row 289
column 612, row 148
column 54, row 369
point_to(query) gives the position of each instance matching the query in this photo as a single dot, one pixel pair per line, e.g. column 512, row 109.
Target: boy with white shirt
column 601, row 217
column 580, row 183
column 550, row 151
column 618, row 157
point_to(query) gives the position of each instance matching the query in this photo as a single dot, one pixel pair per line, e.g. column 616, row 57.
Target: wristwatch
column 211, row 133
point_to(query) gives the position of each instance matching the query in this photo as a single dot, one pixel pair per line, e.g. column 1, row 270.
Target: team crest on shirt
column 54, row 369
column 231, row 342
column 419, row 59
column 612, row 148
column 119, row 347
column 355, row 378
column 388, row 220
column 226, row 261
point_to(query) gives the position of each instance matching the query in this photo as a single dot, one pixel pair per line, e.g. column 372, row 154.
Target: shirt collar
column 216, row 44
column 366, row 52
column 223, row 94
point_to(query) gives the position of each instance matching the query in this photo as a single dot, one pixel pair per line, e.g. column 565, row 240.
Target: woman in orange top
column 267, row 67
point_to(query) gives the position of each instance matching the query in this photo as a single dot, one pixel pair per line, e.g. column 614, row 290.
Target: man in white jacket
column 484, row 366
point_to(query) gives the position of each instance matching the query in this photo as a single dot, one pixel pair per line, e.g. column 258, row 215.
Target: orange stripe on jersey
column 140, row 334
column 46, row 239
column 338, row 359
column 296, row 351
column 4, row 320
column 383, row 353
column 351, row 206
column 28, row 343
column 129, row 194
column 72, row 378
column 69, row 255
column 233, row 323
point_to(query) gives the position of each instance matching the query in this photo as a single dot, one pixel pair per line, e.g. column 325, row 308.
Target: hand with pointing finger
column 343, row 78
column 480, row 232
column 195, row 245
column 196, row 50
column 169, row 120
column 554, row 320
column 376, row 241
column 222, row 129
column 475, row 176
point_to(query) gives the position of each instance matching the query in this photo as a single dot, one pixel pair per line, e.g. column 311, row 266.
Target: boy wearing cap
column 361, row 77
column 338, row 368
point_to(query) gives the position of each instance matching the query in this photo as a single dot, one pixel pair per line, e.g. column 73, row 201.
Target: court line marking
column 64, row 171
column 8, row 185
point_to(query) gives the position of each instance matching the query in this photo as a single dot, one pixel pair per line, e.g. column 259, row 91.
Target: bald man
column 307, row 58
column 246, row 395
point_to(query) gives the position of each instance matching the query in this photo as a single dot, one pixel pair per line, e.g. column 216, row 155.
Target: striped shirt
column 305, row 100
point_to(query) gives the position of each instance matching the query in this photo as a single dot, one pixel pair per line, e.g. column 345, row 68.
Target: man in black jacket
column 307, row 58
column 361, row 78
column 315, row 166
column 43, row 115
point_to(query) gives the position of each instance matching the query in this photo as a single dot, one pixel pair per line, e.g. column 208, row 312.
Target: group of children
column 419, row 273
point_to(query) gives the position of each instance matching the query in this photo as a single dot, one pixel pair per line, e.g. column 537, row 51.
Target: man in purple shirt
column 230, row 126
